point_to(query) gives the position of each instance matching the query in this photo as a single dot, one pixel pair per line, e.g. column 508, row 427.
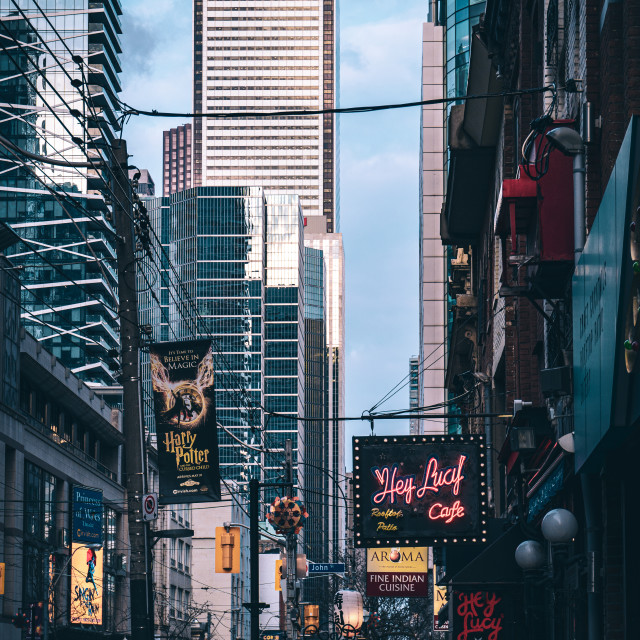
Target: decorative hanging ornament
column 286, row 515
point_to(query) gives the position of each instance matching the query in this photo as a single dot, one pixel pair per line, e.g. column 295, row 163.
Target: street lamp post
column 559, row 527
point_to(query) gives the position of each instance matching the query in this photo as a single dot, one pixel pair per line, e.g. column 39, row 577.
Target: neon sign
column 413, row 490
column 479, row 615
column 405, row 486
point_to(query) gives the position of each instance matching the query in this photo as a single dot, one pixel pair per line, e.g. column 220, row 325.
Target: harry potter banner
column 183, row 389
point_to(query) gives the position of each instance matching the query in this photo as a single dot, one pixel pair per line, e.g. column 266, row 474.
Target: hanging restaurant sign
column 419, row 490
column 397, row 572
column 182, row 376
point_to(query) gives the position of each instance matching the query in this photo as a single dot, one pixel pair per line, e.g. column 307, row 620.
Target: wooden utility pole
column 292, row 552
column 141, row 624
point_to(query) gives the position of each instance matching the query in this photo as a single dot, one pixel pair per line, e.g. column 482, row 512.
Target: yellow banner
column 439, row 600
column 2, row 566
column 86, row 585
column 397, row 560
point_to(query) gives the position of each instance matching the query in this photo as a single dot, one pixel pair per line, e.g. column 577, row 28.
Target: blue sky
column 380, row 54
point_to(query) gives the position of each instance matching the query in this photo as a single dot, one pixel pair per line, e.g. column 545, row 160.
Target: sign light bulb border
column 474, row 438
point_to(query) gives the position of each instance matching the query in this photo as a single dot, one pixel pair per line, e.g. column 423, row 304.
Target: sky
column 380, row 63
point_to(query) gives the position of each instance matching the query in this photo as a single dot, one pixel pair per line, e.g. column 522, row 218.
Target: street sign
column 150, row 506
column 318, row 567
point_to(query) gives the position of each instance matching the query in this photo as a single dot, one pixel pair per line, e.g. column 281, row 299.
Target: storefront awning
column 495, row 565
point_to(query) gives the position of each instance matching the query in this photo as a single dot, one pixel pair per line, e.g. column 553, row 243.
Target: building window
column 39, row 529
column 187, row 558
column 172, row 602
column 180, row 554
column 172, row 552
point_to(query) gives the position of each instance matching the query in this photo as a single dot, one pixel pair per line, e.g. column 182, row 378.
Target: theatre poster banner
column 182, row 376
column 86, row 584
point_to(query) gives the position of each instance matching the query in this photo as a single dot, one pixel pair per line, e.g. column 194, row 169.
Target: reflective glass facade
column 333, row 254
column 217, row 244
column 69, row 293
column 237, row 255
column 284, row 329
column 316, row 463
column 459, row 18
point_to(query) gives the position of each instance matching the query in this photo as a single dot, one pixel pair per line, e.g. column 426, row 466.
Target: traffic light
column 20, row 620
column 227, row 550
column 279, row 575
column 311, row 618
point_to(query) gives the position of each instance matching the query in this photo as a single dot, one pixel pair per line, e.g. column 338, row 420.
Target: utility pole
column 292, row 549
column 254, row 557
column 141, row 625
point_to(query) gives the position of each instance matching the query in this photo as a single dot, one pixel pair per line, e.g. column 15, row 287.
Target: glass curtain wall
column 316, row 462
column 218, row 248
column 458, row 17
column 284, row 330
column 57, row 107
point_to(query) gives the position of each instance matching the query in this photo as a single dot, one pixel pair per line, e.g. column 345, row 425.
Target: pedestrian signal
column 227, row 550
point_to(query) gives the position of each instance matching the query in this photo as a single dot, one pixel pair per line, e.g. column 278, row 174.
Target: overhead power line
column 132, row 111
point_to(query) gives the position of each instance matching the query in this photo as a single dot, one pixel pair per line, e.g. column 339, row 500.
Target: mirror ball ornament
column 286, row 515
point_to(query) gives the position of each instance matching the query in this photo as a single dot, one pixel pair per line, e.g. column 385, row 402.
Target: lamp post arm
column 262, row 534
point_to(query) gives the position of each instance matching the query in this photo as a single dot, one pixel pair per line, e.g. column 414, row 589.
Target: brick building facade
column 577, row 65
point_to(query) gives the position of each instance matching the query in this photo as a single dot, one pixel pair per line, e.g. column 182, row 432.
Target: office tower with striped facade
column 267, row 55
column 58, row 85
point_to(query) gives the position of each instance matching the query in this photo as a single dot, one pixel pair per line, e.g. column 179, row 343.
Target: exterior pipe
column 578, row 204
column 488, row 432
column 590, row 497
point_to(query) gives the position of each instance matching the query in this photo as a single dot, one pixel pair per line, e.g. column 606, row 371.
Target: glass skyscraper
column 58, row 84
column 330, row 244
column 232, row 271
column 317, row 426
column 218, row 248
column 284, row 329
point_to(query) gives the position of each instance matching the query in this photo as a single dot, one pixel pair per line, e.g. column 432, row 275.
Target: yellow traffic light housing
column 227, row 550
column 311, row 618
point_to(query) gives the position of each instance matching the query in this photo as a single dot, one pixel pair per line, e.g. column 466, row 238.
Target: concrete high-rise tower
column 267, row 56
column 431, row 364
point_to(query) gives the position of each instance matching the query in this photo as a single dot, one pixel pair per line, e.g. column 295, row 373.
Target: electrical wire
column 128, row 110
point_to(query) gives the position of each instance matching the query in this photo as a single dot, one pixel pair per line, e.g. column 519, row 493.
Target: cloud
column 139, row 42
column 156, row 74
column 380, row 62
